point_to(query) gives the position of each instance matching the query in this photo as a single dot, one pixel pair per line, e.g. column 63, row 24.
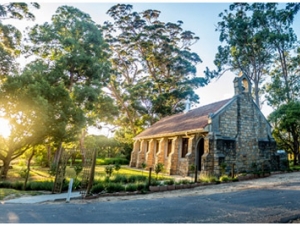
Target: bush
column 142, row 186
column 170, row 182
column 131, row 187
column 159, row 167
column 132, row 179
column 109, row 170
column 224, row 178
column 40, row 185
column 112, row 161
column 114, row 187
column 98, row 188
column 120, row 179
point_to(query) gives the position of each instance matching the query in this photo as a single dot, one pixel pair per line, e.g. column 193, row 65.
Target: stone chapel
column 231, row 131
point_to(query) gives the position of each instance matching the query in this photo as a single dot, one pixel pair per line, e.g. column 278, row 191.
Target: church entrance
column 200, row 152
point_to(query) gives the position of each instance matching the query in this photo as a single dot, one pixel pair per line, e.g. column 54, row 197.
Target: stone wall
column 240, row 128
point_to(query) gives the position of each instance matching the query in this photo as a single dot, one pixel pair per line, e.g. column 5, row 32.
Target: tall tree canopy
column 255, row 36
column 10, row 37
column 73, row 45
column 154, row 70
column 38, row 109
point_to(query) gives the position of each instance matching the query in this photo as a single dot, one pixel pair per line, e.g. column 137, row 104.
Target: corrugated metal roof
column 193, row 120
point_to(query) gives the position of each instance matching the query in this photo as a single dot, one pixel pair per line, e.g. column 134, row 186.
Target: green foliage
column 40, row 185
column 52, row 169
column 192, row 168
column 117, row 167
column 99, row 187
column 23, row 172
column 144, row 165
column 78, row 168
column 159, row 167
column 224, row 178
column 150, row 79
column 109, row 170
column 223, row 168
column 287, row 127
column 114, row 187
column 120, row 179
column 131, row 187
column 112, row 161
column 208, row 179
column 170, row 182
column 254, row 37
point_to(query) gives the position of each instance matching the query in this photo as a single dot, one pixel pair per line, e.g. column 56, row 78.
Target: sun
column 4, row 128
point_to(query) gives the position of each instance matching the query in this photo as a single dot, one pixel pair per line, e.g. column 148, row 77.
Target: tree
column 10, row 37
column 252, row 35
column 38, row 110
column 73, row 45
column 104, row 146
column 154, row 70
column 287, row 128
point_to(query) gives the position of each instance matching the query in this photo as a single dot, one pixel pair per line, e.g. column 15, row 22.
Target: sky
column 197, row 16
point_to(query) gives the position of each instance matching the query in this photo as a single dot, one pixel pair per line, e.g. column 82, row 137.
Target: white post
column 69, row 190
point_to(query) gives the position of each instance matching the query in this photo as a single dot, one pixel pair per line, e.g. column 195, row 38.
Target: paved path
column 43, row 198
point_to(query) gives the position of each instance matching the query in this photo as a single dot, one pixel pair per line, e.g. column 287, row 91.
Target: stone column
column 174, row 156
column 134, row 154
column 207, row 164
column 141, row 153
column 150, row 160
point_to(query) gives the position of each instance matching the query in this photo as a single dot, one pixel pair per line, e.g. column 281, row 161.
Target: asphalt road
column 278, row 203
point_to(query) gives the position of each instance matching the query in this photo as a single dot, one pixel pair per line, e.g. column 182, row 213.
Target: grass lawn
column 38, row 173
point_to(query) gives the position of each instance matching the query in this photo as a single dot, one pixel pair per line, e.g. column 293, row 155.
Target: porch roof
column 193, row 120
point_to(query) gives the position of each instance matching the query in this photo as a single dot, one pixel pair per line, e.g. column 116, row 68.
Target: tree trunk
column 5, row 167
column 256, row 90
column 28, row 169
column 92, row 173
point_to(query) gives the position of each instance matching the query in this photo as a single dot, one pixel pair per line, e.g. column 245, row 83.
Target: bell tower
column 242, row 84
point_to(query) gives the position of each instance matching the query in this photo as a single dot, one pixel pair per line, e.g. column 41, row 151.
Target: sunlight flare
column 4, row 128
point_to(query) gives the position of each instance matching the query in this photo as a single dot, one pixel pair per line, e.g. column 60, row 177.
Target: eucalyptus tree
column 10, row 37
column 38, row 109
column 154, row 70
column 244, row 45
column 287, row 128
column 74, row 47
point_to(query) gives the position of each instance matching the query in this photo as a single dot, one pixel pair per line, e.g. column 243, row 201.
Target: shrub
column 185, row 181
column 223, row 168
column 52, row 169
column 170, row 182
column 120, row 179
column 117, row 167
column 142, row 186
column 114, row 187
column 224, row 178
column 112, row 161
column 40, row 185
column 140, row 178
column 208, row 179
column 109, row 170
column 159, row 167
column 131, row 187
column 98, row 188
column 132, row 179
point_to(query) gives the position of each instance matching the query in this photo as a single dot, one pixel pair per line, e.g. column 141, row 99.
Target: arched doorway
column 199, row 153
